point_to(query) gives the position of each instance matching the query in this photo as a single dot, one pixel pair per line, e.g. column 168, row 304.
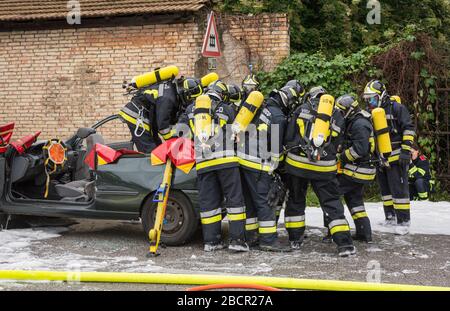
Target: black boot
column 274, row 247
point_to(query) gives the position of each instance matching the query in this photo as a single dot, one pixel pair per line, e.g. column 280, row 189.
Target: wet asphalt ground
column 122, row 247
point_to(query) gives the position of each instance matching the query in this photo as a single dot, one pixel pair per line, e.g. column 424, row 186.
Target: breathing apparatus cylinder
column 149, row 78
column 247, row 111
column 209, row 78
column 321, row 129
column 203, row 119
column 382, row 131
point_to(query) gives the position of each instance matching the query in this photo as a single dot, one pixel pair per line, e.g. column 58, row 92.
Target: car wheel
column 180, row 222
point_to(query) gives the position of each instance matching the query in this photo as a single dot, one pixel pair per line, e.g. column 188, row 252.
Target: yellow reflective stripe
column 211, row 220
column 388, row 203
column 334, row 134
column 408, row 137
column 372, row 144
column 152, row 92
column 404, row 206
column 359, row 215
column 421, row 171
column 412, row 170
column 301, row 126
column 394, row 158
column 168, row 135
column 349, row 155
column 342, row 228
column 295, row 224
column 265, row 230
column 262, row 127
column 256, row 166
column 192, row 126
column 133, row 120
column 215, row 162
column 311, row 167
column 359, row 175
column 251, row 227
column 235, row 217
column 406, row 147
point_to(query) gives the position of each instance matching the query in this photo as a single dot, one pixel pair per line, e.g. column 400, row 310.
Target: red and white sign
column 211, row 45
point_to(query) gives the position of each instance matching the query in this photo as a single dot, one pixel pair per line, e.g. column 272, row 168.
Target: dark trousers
column 144, row 143
column 261, row 217
column 353, row 193
column 213, row 186
column 393, row 182
column 419, row 189
column 328, row 193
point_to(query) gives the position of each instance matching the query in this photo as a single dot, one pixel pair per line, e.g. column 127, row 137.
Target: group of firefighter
column 255, row 154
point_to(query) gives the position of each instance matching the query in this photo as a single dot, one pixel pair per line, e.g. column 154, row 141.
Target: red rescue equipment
column 21, row 145
column 6, row 132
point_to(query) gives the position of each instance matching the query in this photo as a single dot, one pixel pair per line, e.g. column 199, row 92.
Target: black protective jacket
column 222, row 153
column 358, row 149
column 261, row 146
column 401, row 129
column 419, row 168
column 298, row 134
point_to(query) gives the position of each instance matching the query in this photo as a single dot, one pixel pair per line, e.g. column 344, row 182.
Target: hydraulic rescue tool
column 174, row 153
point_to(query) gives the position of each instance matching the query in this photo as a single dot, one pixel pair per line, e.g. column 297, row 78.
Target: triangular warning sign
column 211, row 45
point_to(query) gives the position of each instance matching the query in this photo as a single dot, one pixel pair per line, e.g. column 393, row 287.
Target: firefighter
column 308, row 163
column 419, row 175
column 249, row 84
column 236, row 95
column 393, row 180
column 217, row 168
column 259, row 155
column 356, row 163
column 139, row 115
column 188, row 89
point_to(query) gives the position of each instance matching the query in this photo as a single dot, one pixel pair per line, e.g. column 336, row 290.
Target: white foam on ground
column 426, row 217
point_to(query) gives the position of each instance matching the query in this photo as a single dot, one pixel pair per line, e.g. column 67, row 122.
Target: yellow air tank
column 203, row 119
column 209, row 78
column 161, row 74
column 247, row 111
column 321, row 127
column 381, row 127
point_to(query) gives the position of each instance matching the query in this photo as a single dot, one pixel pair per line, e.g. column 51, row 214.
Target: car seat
column 84, row 189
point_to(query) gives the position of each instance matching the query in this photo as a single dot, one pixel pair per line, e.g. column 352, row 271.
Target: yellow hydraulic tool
column 175, row 153
column 161, row 197
column 321, row 129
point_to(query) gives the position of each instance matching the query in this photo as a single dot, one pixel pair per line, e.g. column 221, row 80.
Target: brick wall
column 57, row 80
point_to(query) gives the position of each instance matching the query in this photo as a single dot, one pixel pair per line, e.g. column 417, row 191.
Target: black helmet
column 235, row 93
column 347, row 104
column 250, row 83
column 218, row 91
column 314, row 94
column 297, row 86
column 288, row 96
column 375, row 94
column 190, row 89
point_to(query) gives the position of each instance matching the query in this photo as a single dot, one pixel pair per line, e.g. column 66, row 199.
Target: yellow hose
column 206, row 279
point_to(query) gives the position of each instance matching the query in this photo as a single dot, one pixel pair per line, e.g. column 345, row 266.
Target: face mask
column 372, row 102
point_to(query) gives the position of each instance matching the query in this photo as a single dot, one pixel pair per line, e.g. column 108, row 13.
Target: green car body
column 123, row 191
